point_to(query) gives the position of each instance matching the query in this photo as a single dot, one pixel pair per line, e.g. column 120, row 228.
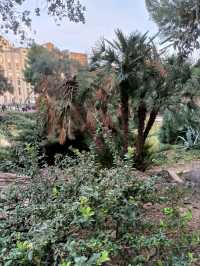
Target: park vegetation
column 87, row 199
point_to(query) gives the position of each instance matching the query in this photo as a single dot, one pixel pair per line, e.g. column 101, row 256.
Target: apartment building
column 12, row 64
column 81, row 58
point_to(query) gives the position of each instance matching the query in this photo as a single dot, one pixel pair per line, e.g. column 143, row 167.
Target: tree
column 147, row 83
column 161, row 87
column 62, row 87
column 178, row 21
column 16, row 17
column 50, row 66
column 40, row 63
column 122, row 57
column 178, row 118
column 5, row 84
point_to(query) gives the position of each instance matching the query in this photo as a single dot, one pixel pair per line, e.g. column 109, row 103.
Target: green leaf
column 104, row 257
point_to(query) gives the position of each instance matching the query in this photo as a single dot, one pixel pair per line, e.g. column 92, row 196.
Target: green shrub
column 22, row 131
column 176, row 122
column 97, row 217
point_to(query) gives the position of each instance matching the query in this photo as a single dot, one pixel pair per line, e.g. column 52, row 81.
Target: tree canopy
column 16, row 17
column 123, row 56
column 146, row 82
column 42, row 63
column 178, row 21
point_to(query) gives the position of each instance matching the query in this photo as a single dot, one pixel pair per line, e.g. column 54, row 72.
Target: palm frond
column 122, row 40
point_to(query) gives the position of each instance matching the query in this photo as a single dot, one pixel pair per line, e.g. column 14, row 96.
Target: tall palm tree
column 123, row 56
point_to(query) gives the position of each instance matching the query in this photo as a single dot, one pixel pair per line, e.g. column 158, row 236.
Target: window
column 19, row 90
column 19, row 82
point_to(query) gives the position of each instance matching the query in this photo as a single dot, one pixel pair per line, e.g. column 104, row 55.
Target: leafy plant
column 192, row 139
column 96, row 217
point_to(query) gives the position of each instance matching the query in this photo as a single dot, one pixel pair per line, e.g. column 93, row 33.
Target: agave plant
column 192, row 138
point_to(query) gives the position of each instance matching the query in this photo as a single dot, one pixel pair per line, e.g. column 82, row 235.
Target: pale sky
column 102, row 18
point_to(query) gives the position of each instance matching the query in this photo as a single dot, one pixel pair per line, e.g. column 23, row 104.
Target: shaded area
column 192, row 176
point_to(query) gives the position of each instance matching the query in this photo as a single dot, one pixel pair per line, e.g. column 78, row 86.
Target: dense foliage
column 23, row 134
column 5, row 84
column 185, row 113
column 178, row 22
column 147, row 83
column 176, row 124
column 94, row 208
column 97, row 217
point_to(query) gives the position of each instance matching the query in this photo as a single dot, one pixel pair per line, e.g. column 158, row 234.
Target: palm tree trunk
column 124, row 97
column 151, row 121
column 142, row 112
column 143, row 132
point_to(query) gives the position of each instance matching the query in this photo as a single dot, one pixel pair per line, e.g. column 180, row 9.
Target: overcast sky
column 102, row 18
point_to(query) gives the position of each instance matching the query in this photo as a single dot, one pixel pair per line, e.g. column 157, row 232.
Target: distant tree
column 40, row 63
column 51, row 66
column 5, row 84
column 16, row 17
column 178, row 21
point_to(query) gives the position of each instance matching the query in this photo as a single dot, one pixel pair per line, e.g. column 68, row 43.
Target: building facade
column 79, row 57
column 12, row 64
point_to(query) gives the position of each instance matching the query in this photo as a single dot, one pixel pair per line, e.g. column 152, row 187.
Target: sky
column 102, row 18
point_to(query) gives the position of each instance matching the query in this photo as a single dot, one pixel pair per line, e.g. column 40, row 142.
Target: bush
column 22, row 131
column 176, row 123
column 97, row 217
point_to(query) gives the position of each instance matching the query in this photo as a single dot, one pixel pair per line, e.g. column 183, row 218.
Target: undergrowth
column 96, row 217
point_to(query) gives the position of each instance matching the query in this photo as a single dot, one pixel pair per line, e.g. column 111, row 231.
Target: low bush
column 22, row 132
column 96, row 217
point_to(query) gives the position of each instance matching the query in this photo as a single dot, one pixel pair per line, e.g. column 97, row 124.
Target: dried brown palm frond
column 62, row 136
column 91, row 120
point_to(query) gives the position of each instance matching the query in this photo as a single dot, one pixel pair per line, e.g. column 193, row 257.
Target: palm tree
column 122, row 57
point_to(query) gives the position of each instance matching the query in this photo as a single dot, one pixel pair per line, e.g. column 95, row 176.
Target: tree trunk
column 142, row 111
column 143, row 132
column 124, row 97
column 151, row 121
